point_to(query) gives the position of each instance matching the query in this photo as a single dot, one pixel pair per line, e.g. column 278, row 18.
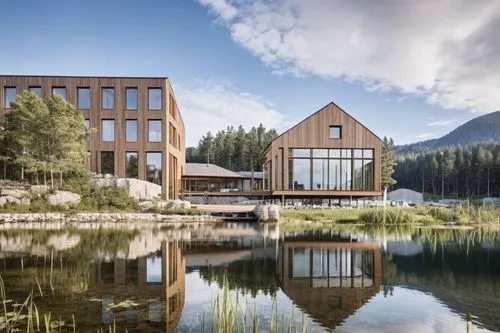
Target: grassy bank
column 396, row 215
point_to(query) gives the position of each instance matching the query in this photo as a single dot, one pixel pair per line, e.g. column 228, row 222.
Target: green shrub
column 108, row 199
column 389, row 216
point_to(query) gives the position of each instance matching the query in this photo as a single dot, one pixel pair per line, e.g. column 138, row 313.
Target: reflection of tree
column 389, row 273
column 131, row 169
column 248, row 276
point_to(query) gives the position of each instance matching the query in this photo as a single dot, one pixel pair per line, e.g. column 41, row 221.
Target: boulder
column 146, row 205
column 8, row 199
column 274, row 213
column 186, row 205
column 25, row 201
column 16, row 193
column 39, row 190
column 3, row 201
column 174, row 204
column 262, row 212
column 63, row 198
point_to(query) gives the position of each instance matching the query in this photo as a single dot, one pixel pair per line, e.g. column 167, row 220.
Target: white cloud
column 444, row 122
column 424, row 136
column 445, row 50
column 212, row 105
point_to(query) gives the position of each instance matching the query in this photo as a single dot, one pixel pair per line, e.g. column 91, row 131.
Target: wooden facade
column 171, row 145
column 314, row 133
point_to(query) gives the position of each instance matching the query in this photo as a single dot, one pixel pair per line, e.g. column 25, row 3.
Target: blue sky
column 410, row 77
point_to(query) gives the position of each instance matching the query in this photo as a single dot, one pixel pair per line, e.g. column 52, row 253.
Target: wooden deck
column 243, row 213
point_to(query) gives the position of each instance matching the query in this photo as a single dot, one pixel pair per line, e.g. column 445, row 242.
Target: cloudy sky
column 411, row 70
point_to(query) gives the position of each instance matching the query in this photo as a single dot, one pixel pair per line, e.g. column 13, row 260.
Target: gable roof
column 310, row 116
column 208, row 170
column 248, row 174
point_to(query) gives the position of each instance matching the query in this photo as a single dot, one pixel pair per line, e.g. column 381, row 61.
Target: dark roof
column 88, row 76
column 248, row 174
column 208, row 170
column 331, row 103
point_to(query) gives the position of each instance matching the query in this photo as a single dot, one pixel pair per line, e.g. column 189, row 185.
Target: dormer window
column 335, row 132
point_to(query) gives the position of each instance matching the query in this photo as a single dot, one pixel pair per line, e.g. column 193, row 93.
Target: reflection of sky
column 154, row 159
column 405, row 311
column 153, row 269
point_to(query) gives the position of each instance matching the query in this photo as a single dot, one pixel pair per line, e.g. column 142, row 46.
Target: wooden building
column 328, row 155
column 139, row 129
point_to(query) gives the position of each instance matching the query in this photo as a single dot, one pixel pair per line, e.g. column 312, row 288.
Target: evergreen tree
column 388, row 163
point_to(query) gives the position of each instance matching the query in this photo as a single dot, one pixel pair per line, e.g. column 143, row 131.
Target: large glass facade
column 83, row 96
column 331, row 169
column 154, row 167
column 107, row 162
column 131, row 164
column 9, row 95
column 154, row 95
column 131, row 130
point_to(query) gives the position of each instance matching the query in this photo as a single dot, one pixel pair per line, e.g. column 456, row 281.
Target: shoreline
column 103, row 217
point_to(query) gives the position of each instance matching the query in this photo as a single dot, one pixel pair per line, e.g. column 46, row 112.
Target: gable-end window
column 154, row 95
column 108, row 98
column 9, row 95
column 83, row 96
column 59, row 91
column 335, row 132
column 131, row 98
column 37, row 91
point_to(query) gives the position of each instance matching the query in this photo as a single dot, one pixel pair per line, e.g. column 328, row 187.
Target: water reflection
column 343, row 279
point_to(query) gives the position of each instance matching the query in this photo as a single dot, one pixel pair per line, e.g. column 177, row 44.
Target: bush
column 108, row 199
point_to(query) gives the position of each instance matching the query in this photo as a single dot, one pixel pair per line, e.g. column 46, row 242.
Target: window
column 131, row 164
column 154, row 130
column 59, row 91
column 108, row 130
column 131, row 96
column 131, row 130
column 300, row 174
column 83, row 96
column 154, row 167
column 173, row 179
column 335, row 132
column 9, row 96
column 154, row 98
column 300, row 152
column 37, row 91
column 107, row 162
column 172, row 107
column 108, row 98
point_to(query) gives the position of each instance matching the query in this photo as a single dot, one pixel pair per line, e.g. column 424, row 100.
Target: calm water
column 151, row 279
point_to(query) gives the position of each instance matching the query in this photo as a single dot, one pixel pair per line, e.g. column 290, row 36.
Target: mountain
column 478, row 130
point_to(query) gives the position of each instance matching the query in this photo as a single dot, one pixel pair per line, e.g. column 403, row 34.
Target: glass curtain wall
column 331, row 169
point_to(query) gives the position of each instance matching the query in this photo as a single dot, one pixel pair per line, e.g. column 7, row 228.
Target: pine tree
column 388, row 163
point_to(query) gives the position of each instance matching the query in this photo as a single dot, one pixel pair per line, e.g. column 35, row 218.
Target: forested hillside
column 233, row 149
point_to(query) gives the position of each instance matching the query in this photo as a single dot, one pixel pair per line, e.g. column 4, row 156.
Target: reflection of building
column 156, row 283
column 329, row 280
column 139, row 129
column 329, row 154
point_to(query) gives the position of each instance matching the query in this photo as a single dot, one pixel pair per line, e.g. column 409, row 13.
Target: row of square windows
column 83, row 97
column 155, row 131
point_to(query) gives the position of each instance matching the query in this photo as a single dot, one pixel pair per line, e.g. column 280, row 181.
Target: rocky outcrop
column 147, row 206
column 63, row 198
column 13, row 192
column 138, row 189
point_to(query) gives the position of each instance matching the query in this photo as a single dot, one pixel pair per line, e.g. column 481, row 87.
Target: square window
column 9, row 96
column 368, row 153
column 83, row 96
column 59, row 91
column 131, row 96
column 335, row 132
column 108, row 98
column 154, row 95
column 37, row 91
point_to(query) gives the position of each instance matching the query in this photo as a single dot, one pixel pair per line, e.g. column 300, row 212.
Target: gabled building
column 327, row 155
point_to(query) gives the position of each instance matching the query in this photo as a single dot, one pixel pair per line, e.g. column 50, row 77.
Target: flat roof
column 87, row 76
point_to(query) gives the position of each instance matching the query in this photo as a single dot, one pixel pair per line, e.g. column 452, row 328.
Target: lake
column 150, row 278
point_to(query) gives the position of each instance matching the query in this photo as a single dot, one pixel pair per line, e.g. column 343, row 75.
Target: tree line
column 457, row 172
column 41, row 140
column 233, row 149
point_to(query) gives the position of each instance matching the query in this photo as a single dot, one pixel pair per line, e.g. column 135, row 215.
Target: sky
column 410, row 70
